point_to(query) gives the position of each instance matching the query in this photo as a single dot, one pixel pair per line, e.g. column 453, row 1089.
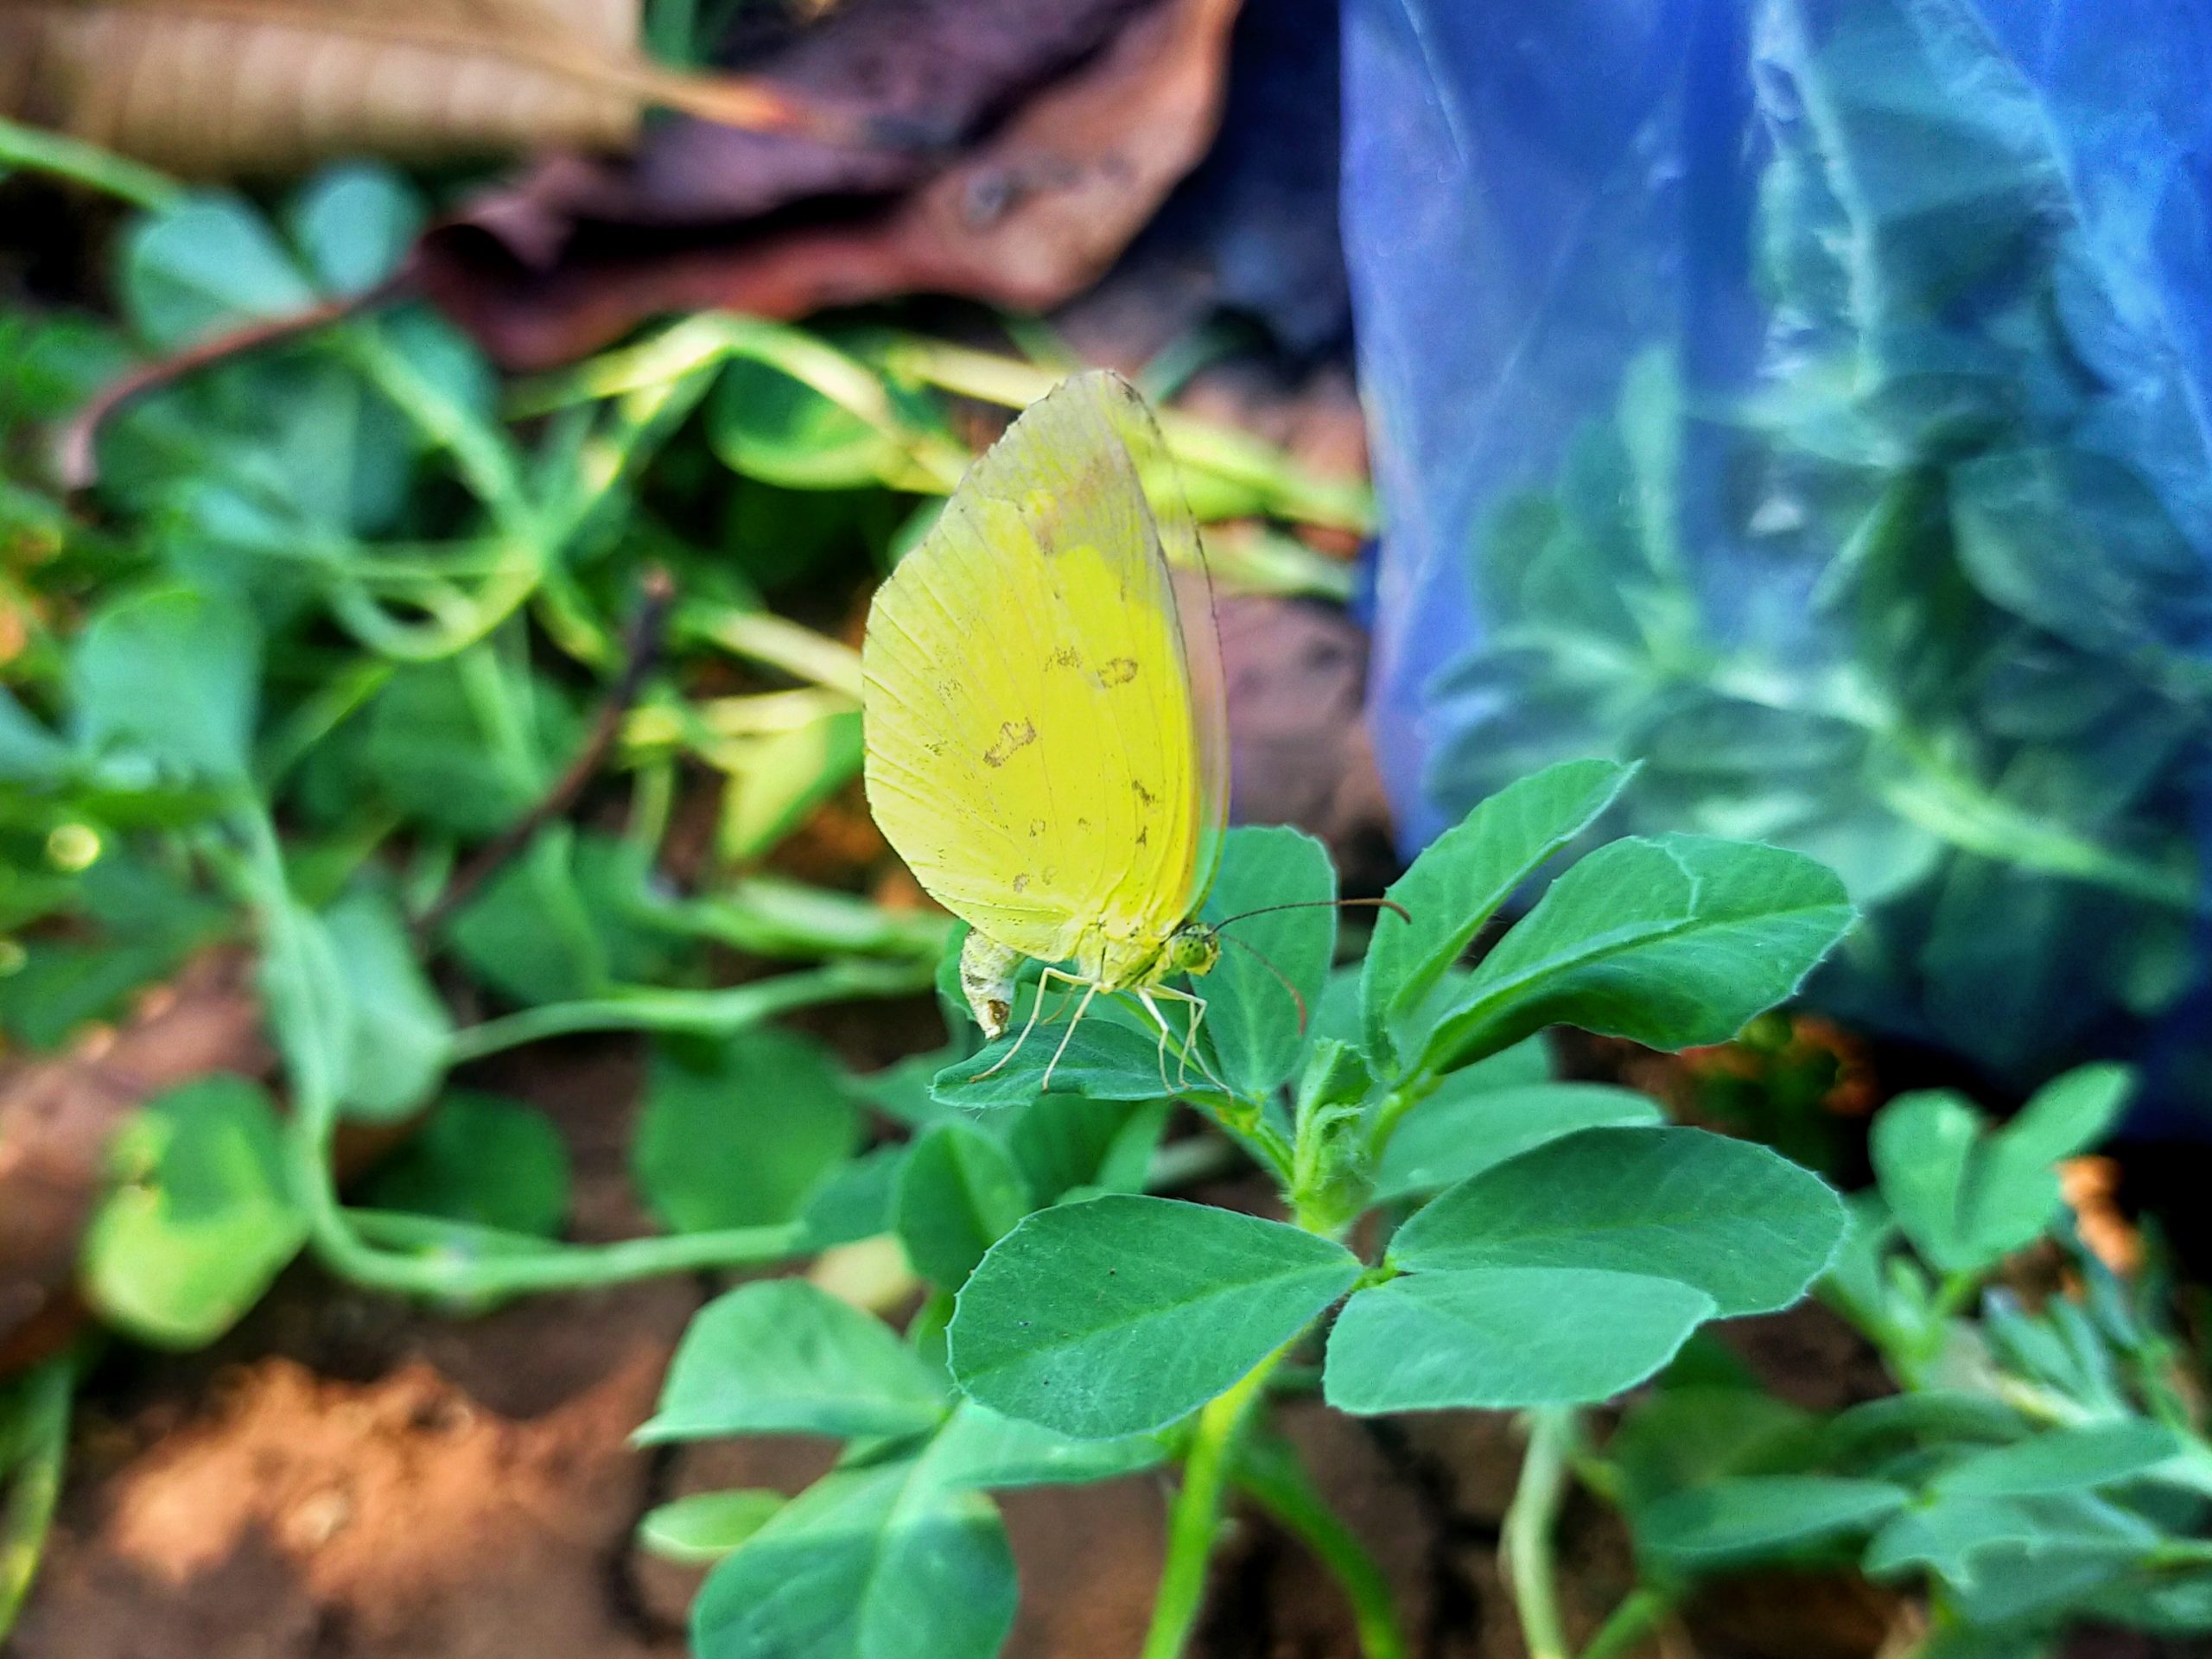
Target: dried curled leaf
column 210, row 88
column 1033, row 211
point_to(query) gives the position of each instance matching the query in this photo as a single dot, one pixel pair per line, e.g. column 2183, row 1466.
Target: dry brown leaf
column 2091, row 1188
column 215, row 88
column 1034, row 214
column 950, row 68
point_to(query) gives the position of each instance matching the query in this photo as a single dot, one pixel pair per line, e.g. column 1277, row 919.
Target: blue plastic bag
column 1813, row 398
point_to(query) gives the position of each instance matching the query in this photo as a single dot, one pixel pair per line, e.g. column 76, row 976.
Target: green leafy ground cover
column 404, row 678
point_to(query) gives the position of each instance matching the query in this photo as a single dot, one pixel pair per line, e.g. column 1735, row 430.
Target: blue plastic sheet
column 1812, row 398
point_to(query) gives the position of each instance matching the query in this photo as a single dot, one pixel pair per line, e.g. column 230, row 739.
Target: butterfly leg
column 1190, row 1037
column 1074, row 1020
column 1159, row 1019
column 1187, row 1044
column 1044, row 976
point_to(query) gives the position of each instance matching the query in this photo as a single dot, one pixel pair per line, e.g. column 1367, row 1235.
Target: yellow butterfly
column 1046, row 729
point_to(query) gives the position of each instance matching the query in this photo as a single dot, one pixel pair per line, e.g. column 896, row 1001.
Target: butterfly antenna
column 1403, row 914
column 1284, row 978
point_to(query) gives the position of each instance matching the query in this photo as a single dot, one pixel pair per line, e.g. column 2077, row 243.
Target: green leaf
column 530, row 934
column 767, row 422
column 1525, row 1064
column 202, row 1218
column 208, row 263
column 1459, row 883
column 145, row 917
column 1064, row 1142
column 1921, row 1145
column 978, row 1448
column 1940, row 1416
column 958, row 1191
column 2159, row 1601
column 1506, row 1338
column 401, row 1034
column 568, row 919
column 171, row 675
column 902, row 1089
column 1120, row 1315
column 1966, row 1195
column 874, row 1562
column 1676, row 1436
column 1671, row 943
column 1858, row 1278
column 2078, row 542
column 1743, row 1224
column 781, row 1356
column 855, row 1200
column 1104, row 1059
column 1944, row 1536
column 30, row 753
column 430, row 748
column 1466, row 1128
column 1252, row 1020
column 2062, row 1460
column 701, row 1529
column 740, row 1133
column 782, row 776
column 481, row 1160
column 1968, row 1539
column 2059, row 1346
column 2012, row 1193
column 1764, row 1514
column 353, row 223
column 1127, row 1166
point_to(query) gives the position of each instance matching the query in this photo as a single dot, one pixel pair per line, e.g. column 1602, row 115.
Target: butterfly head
column 1193, row 948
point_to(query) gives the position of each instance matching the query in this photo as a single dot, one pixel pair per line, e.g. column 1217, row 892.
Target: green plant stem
column 762, row 637
column 1633, row 1620
column 1274, row 1480
column 710, row 1014
column 1195, row 1519
column 60, row 156
column 1408, row 1094
column 487, row 464
column 42, row 1451
column 774, row 916
column 1200, row 446
column 1956, row 1293
column 338, row 699
column 465, row 1264
column 470, row 1261
column 1526, row 1546
column 2172, row 1554
column 1246, row 1122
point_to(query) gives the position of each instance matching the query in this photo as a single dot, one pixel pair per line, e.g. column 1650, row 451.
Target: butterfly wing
column 1036, row 749
column 1201, row 633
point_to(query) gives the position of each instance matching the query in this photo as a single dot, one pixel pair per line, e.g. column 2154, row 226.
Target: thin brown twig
column 76, row 457
column 641, row 650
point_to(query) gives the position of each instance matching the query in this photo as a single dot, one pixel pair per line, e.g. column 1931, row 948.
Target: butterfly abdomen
column 987, row 973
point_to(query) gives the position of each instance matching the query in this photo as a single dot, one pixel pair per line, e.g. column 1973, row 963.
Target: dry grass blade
column 210, row 88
